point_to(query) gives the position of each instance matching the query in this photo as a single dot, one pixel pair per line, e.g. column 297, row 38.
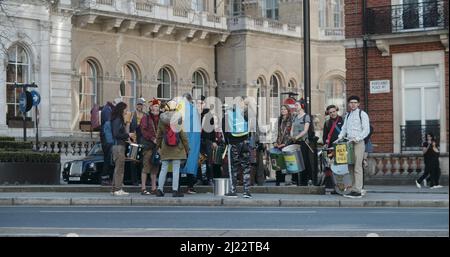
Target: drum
column 218, row 154
column 293, row 159
column 342, row 179
column 344, row 153
column 277, row 159
column 134, row 152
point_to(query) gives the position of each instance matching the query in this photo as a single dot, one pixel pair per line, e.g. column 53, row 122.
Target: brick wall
column 380, row 106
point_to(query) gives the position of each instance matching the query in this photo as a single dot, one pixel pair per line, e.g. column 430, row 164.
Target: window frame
column 162, row 83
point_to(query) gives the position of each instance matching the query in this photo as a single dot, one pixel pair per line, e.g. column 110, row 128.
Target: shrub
column 5, row 138
column 29, row 156
column 15, row 146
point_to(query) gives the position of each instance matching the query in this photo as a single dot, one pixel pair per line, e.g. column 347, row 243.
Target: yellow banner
column 341, row 154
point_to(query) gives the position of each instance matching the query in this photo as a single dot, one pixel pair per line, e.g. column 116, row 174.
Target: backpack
column 171, row 138
column 311, row 132
column 107, row 132
column 366, row 139
column 95, row 117
column 237, row 123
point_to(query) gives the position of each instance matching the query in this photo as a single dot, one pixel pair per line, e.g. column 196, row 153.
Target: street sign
column 36, row 98
column 380, row 86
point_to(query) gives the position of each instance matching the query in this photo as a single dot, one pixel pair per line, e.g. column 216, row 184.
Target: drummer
column 332, row 126
column 299, row 135
column 283, row 139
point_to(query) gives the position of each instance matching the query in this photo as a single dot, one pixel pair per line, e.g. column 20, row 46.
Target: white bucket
column 221, row 186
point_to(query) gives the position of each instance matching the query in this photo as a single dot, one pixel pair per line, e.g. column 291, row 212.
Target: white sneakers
column 418, row 185
column 435, row 187
column 120, row 193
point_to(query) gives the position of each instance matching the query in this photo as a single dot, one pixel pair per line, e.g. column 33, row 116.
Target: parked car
column 87, row 170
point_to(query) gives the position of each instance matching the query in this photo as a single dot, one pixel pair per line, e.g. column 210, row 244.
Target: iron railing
column 429, row 15
column 412, row 136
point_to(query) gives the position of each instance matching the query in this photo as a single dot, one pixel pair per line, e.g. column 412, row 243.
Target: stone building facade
column 87, row 52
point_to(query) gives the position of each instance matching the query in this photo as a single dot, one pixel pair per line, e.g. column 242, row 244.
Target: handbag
column 155, row 159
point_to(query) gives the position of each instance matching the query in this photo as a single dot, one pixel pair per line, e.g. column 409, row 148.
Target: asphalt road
column 221, row 221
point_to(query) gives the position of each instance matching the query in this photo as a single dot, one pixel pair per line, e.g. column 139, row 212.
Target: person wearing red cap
column 149, row 125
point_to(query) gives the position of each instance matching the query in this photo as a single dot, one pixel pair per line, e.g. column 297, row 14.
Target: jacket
column 327, row 127
column 178, row 152
column 149, row 127
column 119, row 132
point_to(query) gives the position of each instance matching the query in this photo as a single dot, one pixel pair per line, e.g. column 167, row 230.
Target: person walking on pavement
column 356, row 128
column 173, row 144
column 235, row 125
column 430, row 151
column 118, row 150
column 148, row 127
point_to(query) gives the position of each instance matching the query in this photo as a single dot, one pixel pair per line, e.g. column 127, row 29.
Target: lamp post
column 306, row 57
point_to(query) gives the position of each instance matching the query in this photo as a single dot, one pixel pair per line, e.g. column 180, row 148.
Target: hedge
column 14, row 146
column 4, row 138
column 29, row 156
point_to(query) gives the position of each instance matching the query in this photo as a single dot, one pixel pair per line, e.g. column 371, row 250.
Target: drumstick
column 309, row 147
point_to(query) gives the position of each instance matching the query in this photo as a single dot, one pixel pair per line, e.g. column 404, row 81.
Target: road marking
column 204, row 211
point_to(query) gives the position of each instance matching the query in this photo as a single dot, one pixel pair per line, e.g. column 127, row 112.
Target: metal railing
column 423, row 16
column 412, row 136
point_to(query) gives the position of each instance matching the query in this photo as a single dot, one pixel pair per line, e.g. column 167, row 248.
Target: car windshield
column 96, row 150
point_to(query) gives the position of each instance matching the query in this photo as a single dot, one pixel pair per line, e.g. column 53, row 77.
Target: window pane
column 11, row 73
column 167, row 91
column 11, row 111
column 413, row 104
column 432, row 104
column 421, row 75
column 22, row 56
column 10, row 96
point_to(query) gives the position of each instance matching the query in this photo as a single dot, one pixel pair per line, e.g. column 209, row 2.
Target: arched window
column 274, row 95
column 165, row 83
column 128, row 88
column 335, row 94
column 18, row 70
column 88, row 88
column 199, row 81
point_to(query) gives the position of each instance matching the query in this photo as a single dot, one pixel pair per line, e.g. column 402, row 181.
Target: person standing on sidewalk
column 136, row 118
column 431, row 158
column 283, row 138
column 149, row 125
column 174, row 147
column 235, row 125
column 118, row 150
column 356, row 128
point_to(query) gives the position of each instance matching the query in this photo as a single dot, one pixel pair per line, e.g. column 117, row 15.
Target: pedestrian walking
column 356, row 128
column 172, row 142
column 431, row 158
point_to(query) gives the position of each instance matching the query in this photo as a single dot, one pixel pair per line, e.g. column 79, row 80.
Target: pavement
column 264, row 196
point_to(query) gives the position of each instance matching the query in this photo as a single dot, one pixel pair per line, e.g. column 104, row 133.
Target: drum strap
column 332, row 130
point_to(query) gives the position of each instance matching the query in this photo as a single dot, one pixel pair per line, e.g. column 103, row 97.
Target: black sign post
column 26, row 102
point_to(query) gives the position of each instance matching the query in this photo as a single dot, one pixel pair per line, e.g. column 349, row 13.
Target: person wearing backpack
column 172, row 142
column 356, row 128
column 300, row 134
column 107, row 172
column 148, row 127
column 120, row 137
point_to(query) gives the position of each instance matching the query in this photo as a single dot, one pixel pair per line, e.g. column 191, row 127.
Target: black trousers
column 433, row 171
column 309, row 173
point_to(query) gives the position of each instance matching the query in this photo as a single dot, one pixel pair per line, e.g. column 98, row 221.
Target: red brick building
column 398, row 49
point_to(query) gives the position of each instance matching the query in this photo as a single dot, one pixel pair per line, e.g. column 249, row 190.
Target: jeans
column 175, row 174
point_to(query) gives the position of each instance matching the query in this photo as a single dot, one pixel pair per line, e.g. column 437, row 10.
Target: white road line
column 162, row 211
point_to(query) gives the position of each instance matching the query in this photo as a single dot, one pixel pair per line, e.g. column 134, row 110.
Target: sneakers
column 435, row 187
column 363, row 192
column 247, row 195
column 177, row 194
column 418, row 184
column 353, row 194
column 159, row 193
column 120, row 193
column 191, row 191
column 231, row 195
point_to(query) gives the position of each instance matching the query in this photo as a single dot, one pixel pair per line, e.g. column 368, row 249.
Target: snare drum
column 277, row 159
column 344, row 153
column 134, row 152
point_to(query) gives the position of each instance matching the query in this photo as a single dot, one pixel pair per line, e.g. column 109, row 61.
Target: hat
column 172, row 105
column 140, row 101
column 154, row 101
column 117, row 100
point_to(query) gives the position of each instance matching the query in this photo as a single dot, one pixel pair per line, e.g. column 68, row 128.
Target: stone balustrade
column 263, row 25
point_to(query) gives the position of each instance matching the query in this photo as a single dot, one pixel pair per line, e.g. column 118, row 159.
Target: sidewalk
column 377, row 196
